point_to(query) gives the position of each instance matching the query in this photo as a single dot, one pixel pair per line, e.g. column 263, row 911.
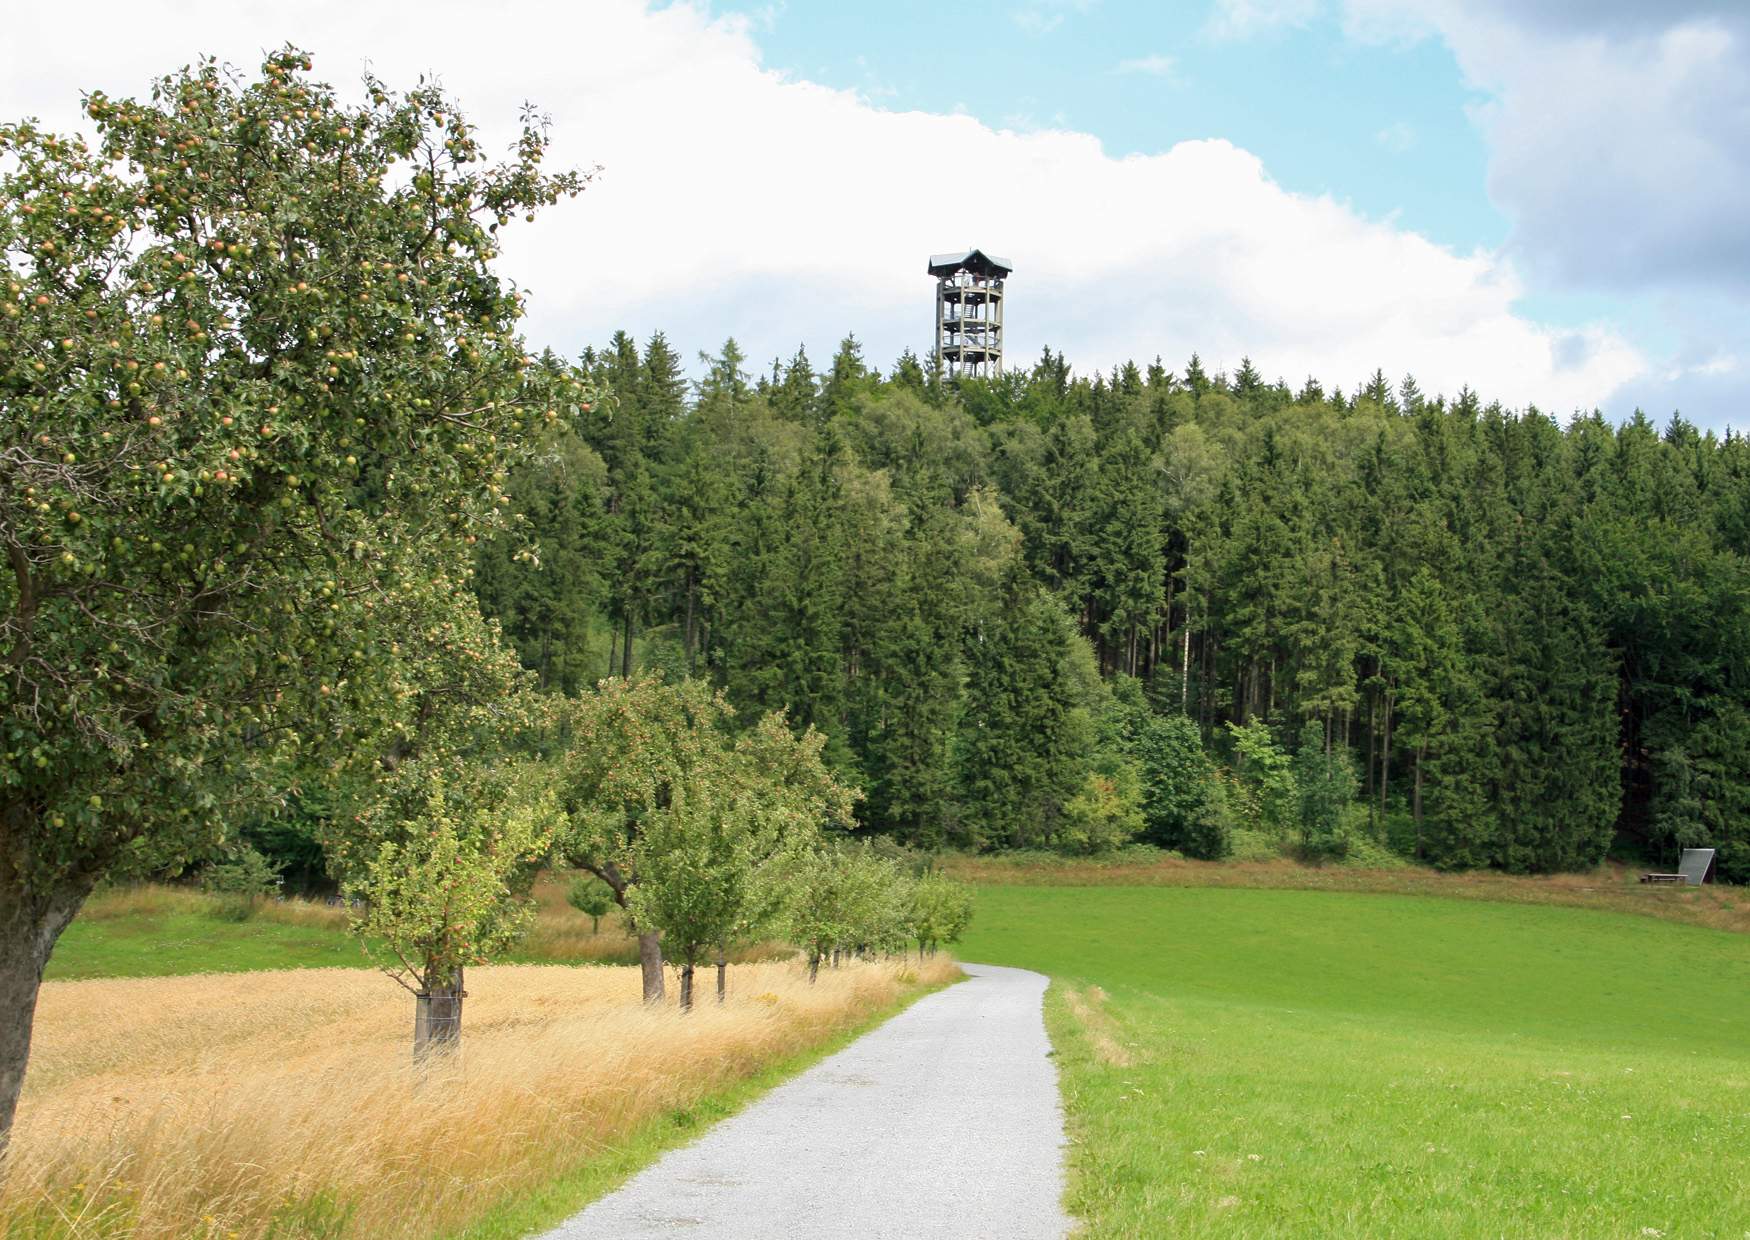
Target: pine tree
column 848, row 379
column 908, row 372
column 694, row 547
column 724, row 386
column 915, row 676
column 1195, row 378
column 1060, row 502
column 544, row 600
column 1247, row 382
column 1446, row 725
column 662, row 393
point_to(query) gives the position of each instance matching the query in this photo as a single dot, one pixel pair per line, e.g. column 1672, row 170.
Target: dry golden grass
column 285, row 1104
column 160, row 900
column 1088, row 1006
column 562, row 934
column 1611, row 886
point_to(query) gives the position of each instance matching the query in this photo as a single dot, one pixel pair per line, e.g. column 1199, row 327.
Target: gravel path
column 943, row 1122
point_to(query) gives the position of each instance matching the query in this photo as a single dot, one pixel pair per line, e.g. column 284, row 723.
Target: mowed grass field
column 1302, row 1063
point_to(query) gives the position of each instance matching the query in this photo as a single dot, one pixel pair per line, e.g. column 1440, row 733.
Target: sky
column 1542, row 199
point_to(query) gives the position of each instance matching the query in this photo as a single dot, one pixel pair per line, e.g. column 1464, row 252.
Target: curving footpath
column 944, row 1122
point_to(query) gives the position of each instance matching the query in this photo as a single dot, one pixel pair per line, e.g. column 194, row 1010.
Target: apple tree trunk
column 650, row 962
column 31, row 920
column 649, row 941
column 437, row 1015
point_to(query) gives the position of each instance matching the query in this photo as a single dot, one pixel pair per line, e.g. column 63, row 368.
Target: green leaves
column 693, row 826
column 254, row 385
column 443, row 867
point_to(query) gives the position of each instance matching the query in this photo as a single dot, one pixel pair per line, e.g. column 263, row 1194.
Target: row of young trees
column 705, row 835
column 1525, row 640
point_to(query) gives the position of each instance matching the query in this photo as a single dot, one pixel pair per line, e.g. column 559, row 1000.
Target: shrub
column 239, row 881
column 1208, row 835
column 1175, row 770
column 1250, row 844
column 1105, row 814
column 1267, row 773
column 592, row 898
column 1364, row 851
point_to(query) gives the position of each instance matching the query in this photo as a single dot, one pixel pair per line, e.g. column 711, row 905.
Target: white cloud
column 1619, row 133
column 1619, row 148
column 1397, row 137
column 1153, row 65
column 737, row 200
column 1041, row 17
column 1242, row 19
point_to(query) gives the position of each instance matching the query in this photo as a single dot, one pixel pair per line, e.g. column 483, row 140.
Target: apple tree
column 444, row 866
column 257, row 379
column 711, row 864
column 679, row 817
column 939, row 911
column 441, row 835
column 842, row 897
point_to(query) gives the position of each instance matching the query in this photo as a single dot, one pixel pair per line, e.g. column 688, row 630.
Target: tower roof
column 972, row 260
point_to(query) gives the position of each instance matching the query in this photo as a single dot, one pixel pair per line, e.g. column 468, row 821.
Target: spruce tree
column 1024, row 750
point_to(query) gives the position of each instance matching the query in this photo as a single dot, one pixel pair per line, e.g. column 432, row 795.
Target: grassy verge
column 1289, row 1063
column 154, row 930
column 1611, row 887
column 284, row 1104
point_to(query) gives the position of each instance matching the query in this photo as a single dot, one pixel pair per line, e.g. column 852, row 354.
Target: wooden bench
column 1664, row 878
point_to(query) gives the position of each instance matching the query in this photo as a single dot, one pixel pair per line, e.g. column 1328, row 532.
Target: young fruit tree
column 256, row 375
column 940, row 911
column 439, row 839
column 444, row 866
column 842, row 898
column 621, row 752
column 680, row 818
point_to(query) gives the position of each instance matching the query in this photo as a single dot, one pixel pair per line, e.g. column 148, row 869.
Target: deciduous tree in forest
column 1176, row 775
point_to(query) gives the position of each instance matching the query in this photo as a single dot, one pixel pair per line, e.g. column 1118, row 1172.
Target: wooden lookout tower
column 969, row 312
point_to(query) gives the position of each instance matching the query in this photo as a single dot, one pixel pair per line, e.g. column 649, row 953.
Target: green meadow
column 1293, row 1063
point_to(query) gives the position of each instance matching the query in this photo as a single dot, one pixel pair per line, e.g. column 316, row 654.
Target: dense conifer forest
column 1064, row 611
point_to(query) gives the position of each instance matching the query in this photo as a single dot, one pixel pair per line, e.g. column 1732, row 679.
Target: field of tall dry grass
column 285, row 1104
